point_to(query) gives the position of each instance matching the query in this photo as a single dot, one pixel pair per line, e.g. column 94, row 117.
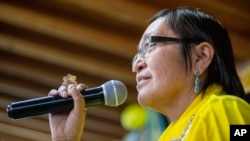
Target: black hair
column 199, row 25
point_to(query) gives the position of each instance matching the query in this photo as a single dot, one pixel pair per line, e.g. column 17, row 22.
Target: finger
column 63, row 91
column 81, row 87
column 79, row 103
column 53, row 92
column 70, row 87
column 79, row 110
column 77, row 96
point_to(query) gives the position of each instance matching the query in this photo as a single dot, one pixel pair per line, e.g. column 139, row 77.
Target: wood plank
column 66, row 30
column 40, row 136
column 64, row 59
column 7, row 137
column 24, row 132
column 240, row 47
column 45, row 78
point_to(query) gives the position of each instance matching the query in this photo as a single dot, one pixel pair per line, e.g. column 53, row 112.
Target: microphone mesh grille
column 115, row 93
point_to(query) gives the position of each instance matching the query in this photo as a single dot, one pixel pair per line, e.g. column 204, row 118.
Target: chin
column 144, row 100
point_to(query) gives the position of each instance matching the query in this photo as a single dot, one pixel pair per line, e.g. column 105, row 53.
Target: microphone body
column 111, row 93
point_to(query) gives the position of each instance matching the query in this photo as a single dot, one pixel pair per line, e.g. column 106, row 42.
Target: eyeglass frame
column 158, row 39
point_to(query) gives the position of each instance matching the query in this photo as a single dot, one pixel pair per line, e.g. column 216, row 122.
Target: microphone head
column 115, row 93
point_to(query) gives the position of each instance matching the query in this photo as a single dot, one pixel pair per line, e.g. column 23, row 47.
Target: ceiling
column 41, row 41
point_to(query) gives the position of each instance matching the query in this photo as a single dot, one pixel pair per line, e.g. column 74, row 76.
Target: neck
column 174, row 109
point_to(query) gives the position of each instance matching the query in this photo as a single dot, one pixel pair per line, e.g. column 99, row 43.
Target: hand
column 68, row 126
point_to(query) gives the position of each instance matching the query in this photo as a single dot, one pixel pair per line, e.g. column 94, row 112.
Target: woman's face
column 161, row 76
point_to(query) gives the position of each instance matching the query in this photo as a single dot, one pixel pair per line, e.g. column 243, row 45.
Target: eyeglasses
column 148, row 43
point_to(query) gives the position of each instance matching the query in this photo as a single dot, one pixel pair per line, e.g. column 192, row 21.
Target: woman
column 185, row 70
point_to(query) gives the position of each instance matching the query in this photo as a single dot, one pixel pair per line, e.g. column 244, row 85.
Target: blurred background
column 42, row 41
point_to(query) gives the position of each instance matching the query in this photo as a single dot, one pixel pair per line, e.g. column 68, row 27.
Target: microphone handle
column 48, row 104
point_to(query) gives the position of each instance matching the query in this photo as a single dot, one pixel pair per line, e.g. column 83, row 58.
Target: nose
column 138, row 65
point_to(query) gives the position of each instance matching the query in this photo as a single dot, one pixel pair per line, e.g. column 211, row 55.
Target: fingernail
column 63, row 94
column 54, row 91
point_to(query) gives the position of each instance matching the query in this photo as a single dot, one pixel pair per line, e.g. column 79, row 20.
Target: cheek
column 169, row 71
column 163, row 64
column 167, row 74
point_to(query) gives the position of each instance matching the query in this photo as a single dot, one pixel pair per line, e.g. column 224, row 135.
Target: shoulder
column 228, row 102
column 212, row 121
column 229, row 108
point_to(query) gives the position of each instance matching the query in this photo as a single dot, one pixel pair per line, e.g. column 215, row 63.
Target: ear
column 203, row 55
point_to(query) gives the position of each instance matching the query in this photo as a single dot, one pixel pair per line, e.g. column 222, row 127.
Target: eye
column 151, row 45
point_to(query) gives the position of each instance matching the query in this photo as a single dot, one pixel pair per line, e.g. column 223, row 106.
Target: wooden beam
column 40, row 80
column 23, row 132
column 240, row 46
column 66, row 30
column 64, row 59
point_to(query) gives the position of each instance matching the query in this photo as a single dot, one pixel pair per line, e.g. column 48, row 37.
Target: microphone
column 112, row 93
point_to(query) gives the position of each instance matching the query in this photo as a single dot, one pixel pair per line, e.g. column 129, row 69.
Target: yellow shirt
column 208, row 118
